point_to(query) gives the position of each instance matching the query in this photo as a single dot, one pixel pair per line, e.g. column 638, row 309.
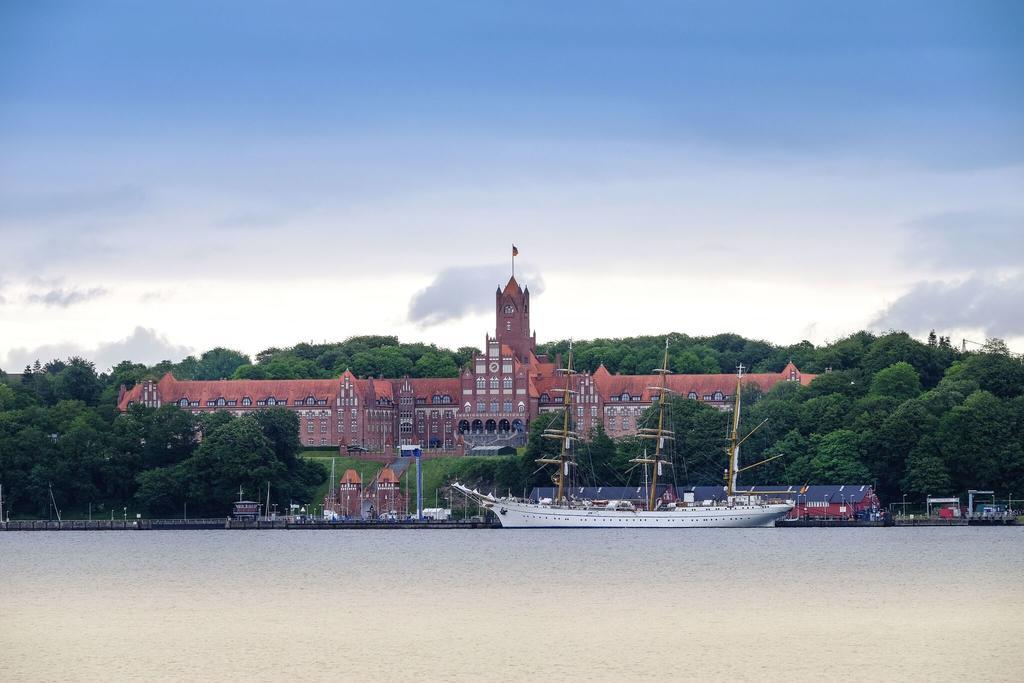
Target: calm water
column 793, row 604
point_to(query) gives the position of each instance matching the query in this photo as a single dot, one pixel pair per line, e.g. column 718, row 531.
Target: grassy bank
column 437, row 473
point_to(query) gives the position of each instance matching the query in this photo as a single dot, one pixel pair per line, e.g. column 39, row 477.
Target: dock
column 227, row 524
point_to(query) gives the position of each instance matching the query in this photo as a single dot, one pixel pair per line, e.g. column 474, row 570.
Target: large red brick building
column 493, row 399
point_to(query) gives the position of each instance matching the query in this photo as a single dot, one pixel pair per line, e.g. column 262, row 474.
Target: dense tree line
column 904, row 416
column 907, row 416
column 369, row 356
column 60, row 432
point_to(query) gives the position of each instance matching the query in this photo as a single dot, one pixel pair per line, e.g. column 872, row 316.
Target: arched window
column 221, row 402
column 271, row 401
column 446, row 399
column 494, row 383
column 692, row 395
column 625, row 395
column 506, row 383
column 522, row 407
column 183, row 403
column 544, row 398
column 246, row 401
column 718, row 396
column 481, row 383
column 310, row 401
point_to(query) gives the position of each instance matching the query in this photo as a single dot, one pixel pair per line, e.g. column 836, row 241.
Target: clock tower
column 512, row 320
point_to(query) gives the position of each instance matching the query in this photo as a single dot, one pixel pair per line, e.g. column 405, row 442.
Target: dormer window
column 692, row 395
column 718, row 396
column 310, row 401
column 183, row 403
column 544, row 398
column 221, row 402
column 625, row 396
column 271, row 401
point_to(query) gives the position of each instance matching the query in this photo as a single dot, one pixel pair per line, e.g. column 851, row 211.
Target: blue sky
column 830, row 159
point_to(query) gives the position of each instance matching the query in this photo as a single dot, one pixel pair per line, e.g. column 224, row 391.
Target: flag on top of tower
column 515, row 252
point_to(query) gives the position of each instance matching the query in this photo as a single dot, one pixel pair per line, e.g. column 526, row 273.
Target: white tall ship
column 737, row 510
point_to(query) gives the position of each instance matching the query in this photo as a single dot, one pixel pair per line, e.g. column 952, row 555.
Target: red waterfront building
column 492, row 401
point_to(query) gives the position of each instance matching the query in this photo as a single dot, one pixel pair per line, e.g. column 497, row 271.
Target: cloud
column 461, row 291
column 969, row 239
column 995, row 306
column 143, row 345
column 63, row 298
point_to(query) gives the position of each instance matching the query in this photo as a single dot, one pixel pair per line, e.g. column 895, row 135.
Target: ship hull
column 517, row 515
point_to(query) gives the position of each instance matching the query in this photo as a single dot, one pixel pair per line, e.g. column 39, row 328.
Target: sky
column 179, row 176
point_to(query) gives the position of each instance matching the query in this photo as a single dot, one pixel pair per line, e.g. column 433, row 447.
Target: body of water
column 787, row 604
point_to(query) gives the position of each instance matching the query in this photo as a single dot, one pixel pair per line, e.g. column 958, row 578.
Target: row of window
column 247, row 401
column 506, row 407
column 482, row 383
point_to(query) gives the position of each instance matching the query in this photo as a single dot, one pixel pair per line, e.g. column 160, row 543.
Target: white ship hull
column 520, row 515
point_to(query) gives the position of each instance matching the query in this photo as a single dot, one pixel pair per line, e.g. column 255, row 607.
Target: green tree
column 234, row 455
column 7, row 397
column 836, row 459
column 899, row 380
column 76, row 381
column 926, row 474
column 436, row 364
column 978, row 442
column 219, row 363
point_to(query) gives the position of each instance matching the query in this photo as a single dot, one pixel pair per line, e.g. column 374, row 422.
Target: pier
column 228, row 524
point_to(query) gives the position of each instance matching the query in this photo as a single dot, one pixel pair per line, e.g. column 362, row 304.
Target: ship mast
column 565, row 435
column 733, row 470
column 660, row 435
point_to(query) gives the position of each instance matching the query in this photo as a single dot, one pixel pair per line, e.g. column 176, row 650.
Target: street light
column 904, row 505
column 126, row 514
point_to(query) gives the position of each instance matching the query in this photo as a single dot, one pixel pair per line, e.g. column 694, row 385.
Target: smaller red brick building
column 347, row 499
column 385, row 494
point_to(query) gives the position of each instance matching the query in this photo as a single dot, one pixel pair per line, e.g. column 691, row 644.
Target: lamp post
column 125, row 514
column 904, row 505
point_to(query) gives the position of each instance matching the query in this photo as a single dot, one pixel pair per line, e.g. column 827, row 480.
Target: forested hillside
column 912, row 417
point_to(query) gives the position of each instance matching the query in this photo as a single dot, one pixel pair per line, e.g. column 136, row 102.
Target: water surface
column 794, row 604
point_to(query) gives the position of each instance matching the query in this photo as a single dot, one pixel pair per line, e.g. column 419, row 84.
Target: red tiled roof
column 512, row 287
column 382, row 388
column 387, row 476
column 429, row 387
column 641, row 385
column 351, row 477
column 172, row 390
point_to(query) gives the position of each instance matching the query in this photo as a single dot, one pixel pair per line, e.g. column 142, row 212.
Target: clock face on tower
column 509, row 309
column 494, row 366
